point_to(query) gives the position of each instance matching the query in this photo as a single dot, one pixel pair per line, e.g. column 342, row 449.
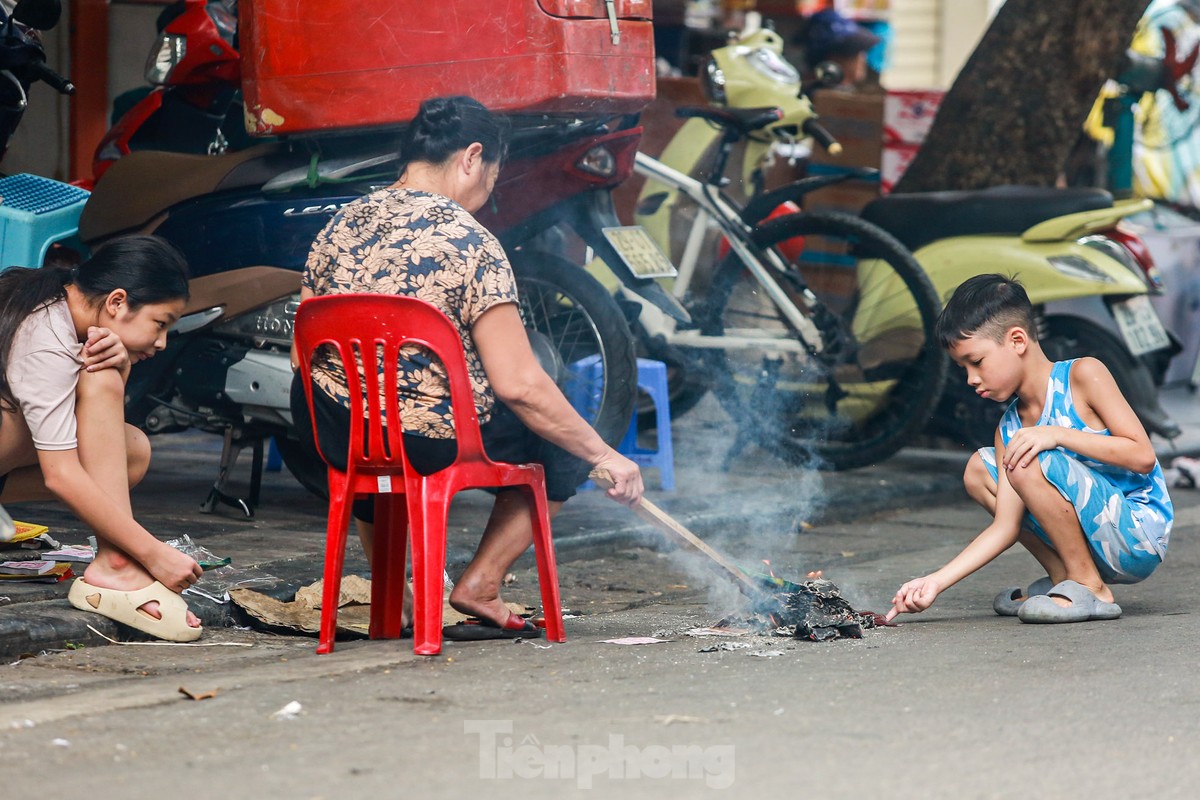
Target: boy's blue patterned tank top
column 1147, row 496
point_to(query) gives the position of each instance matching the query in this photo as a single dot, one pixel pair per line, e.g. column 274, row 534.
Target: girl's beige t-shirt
column 43, row 371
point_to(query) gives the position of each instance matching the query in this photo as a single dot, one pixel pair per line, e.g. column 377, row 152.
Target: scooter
column 226, row 369
column 1088, row 275
column 194, row 103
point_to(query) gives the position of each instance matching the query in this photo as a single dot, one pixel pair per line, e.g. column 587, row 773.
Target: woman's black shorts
column 505, row 438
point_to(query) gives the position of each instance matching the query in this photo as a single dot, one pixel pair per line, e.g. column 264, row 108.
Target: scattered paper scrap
column 27, row 530
column 183, row 690
column 43, row 541
column 712, row 648
column 532, row 643
column 766, row 653
column 717, row 631
column 290, row 711
column 671, row 719
column 55, row 574
column 61, row 743
column 25, row 567
column 635, row 640
column 80, row 553
column 303, row 614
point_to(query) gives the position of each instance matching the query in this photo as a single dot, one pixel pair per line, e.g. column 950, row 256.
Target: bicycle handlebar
column 821, row 136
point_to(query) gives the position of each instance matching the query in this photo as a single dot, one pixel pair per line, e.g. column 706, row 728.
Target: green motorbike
column 1085, row 269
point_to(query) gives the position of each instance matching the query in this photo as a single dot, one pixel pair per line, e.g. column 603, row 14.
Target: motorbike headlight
column 1079, row 267
column 165, row 57
column 598, row 161
column 774, row 66
column 714, row 82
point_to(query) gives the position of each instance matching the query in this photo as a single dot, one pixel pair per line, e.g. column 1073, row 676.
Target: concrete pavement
column 956, row 702
column 754, row 511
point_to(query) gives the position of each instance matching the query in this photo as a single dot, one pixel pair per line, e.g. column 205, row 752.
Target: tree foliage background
column 1017, row 106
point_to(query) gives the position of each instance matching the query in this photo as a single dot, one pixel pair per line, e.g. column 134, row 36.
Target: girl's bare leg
column 115, row 455
column 1057, row 518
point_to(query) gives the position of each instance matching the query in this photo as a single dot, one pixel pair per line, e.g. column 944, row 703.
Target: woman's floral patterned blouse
column 398, row 241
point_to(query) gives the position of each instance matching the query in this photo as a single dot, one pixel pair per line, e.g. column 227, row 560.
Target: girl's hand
column 173, row 569
column 105, row 350
column 1026, row 443
column 914, row 597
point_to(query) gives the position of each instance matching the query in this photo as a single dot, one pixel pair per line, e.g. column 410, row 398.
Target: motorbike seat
column 143, row 185
column 741, row 121
column 918, row 219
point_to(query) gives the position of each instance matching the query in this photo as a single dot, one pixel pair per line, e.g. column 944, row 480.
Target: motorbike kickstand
column 232, row 448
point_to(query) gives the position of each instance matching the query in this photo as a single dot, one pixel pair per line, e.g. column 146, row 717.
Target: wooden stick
column 669, row 525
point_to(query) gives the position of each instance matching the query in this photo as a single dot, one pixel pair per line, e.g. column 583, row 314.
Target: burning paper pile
column 813, row 610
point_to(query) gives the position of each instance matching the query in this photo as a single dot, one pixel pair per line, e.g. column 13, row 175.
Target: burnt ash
column 814, row 610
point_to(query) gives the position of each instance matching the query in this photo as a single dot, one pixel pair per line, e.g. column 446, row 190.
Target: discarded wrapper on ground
column 303, row 614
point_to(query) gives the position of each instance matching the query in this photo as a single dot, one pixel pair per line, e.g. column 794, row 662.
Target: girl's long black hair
column 148, row 268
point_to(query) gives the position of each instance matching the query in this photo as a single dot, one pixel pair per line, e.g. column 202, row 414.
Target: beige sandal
column 126, row 608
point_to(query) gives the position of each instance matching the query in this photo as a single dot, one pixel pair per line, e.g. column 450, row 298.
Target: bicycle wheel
column 880, row 372
column 581, row 338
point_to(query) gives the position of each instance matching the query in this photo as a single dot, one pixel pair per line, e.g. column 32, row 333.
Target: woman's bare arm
column 519, row 381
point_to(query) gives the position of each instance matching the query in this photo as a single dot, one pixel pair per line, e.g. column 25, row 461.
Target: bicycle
column 816, row 333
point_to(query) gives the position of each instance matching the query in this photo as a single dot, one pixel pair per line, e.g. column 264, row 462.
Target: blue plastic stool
column 651, row 379
column 35, row 212
column 274, row 458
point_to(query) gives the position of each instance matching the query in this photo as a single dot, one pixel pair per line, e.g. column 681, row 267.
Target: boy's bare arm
column 919, row 593
column 991, row 541
column 1100, row 404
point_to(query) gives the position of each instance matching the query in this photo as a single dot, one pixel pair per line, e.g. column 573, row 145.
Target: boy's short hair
column 987, row 306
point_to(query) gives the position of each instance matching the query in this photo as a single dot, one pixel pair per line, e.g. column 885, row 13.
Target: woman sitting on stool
column 418, row 238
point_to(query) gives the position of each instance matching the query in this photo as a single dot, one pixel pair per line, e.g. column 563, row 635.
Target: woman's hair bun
column 444, row 125
column 439, row 117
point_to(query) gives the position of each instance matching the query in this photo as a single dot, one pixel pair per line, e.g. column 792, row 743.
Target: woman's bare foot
column 477, row 601
column 114, row 571
column 406, row 616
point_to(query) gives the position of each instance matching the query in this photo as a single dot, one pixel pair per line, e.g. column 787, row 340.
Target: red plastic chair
column 358, row 326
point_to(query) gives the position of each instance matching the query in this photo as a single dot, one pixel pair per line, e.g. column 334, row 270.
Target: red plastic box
column 312, row 66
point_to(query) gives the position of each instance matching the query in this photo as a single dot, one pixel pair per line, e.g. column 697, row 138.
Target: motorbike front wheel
column 881, row 370
column 580, row 337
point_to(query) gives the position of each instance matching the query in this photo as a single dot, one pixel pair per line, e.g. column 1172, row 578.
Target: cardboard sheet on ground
column 303, row 614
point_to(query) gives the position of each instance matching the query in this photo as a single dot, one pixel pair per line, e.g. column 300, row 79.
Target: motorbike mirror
column 828, row 74
column 39, row 14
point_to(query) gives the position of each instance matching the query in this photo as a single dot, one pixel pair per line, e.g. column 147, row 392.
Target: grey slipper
column 1084, row 606
column 1009, row 602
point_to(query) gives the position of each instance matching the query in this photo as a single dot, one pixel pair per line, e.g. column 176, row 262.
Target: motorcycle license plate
column 640, row 252
column 1140, row 326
